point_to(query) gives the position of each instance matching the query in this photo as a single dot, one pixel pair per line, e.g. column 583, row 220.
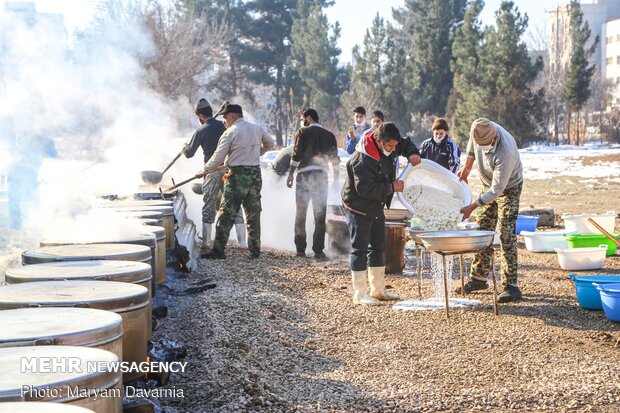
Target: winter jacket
column 368, row 184
column 360, row 132
column 446, row 153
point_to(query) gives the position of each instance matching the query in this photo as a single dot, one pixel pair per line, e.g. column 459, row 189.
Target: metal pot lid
column 103, row 295
column 160, row 232
column 165, row 210
column 82, row 252
column 137, row 202
column 154, row 195
column 141, row 214
column 14, row 375
column 144, row 238
column 41, row 407
column 59, row 326
column 105, row 270
column 150, row 221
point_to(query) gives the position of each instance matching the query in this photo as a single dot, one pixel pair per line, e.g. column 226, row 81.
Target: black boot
column 511, row 293
column 215, row 254
column 473, row 285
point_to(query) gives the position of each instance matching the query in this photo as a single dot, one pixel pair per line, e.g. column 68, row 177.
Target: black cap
column 201, row 104
column 232, row 108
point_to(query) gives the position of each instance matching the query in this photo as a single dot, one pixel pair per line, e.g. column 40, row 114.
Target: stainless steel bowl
column 456, row 241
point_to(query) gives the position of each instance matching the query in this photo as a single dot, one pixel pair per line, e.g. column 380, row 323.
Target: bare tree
column 188, row 48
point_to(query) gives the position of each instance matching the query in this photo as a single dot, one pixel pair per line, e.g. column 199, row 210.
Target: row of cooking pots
column 100, row 312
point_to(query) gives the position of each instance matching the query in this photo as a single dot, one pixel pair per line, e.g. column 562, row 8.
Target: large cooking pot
column 62, row 327
column 154, row 239
column 41, row 407
column 167, row 214
column 137, row 202
column 14, row 376
column 88, row 252
column 394, row 252
column 160, row 259
column 456, row 241
column 133, row 272
column 130, row 301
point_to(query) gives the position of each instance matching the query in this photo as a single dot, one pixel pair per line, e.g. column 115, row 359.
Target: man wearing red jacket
column 369, row 187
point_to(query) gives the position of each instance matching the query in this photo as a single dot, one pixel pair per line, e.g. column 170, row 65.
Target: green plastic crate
column 591, row 241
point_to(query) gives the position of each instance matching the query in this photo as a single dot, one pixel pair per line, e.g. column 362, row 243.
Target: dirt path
column 281, row 334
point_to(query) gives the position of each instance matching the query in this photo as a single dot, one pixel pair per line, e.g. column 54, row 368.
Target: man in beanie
column 239, row 149
column 441, row 148
column 356, row 131
column 314, row 150
column 370, row 185
column 497, row 158
column 207, row 136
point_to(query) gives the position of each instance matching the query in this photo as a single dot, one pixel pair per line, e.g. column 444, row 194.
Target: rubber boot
column 242, row 238
column 376, row 278
column 206, row 237
column 360, row 288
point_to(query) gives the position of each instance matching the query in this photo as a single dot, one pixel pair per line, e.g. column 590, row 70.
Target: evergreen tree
column 427, row 27
column 468, row 98
column 367, row 74
column 508, row 75
column 577, row 89
column 314, row 58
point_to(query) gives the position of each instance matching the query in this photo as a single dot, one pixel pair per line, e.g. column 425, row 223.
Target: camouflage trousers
column 504, row 210
column 242, row 186
column 212, row 188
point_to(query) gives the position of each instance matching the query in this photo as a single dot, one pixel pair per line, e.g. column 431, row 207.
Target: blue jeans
column 367, row 240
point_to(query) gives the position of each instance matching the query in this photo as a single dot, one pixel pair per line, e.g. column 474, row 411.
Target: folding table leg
column 445, row 285
column 495, row 309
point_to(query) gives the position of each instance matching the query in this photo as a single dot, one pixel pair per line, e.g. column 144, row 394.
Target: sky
column 354, row 20
column 354, row 16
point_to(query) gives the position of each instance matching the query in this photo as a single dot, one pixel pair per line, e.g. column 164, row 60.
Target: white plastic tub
column 580, row 225
column 545, row 241
column 581, row 259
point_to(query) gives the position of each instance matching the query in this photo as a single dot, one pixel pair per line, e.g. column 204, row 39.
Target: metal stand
column 418, row 248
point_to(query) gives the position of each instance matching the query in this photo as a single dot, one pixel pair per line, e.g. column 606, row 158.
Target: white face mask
column 438, row 140
column 386, row 153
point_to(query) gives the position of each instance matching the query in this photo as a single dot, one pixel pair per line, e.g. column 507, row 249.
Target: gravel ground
column 281, row 334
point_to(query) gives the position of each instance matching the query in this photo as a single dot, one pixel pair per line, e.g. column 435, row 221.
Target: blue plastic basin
column 610, row 297
column 588, row 296
column 526, row 223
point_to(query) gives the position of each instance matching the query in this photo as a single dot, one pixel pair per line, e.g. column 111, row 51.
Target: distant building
column 599, row 14
column 611, row 51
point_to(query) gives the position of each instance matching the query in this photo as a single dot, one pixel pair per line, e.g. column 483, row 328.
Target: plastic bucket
column 526, row 223
column 610, row 298
column 588, row 296
column 581, row 259
column 591, row 241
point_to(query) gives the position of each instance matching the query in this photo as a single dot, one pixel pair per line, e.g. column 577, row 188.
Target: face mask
column 438, row 140
column 386, row 153
column 485, row 148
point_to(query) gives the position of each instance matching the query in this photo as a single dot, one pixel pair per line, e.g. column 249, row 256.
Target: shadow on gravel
column 250, row 344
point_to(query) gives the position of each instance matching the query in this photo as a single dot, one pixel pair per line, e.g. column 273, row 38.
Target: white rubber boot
column 376, row 278
column 206, row 236
column 360, row 288
column 242, row 238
